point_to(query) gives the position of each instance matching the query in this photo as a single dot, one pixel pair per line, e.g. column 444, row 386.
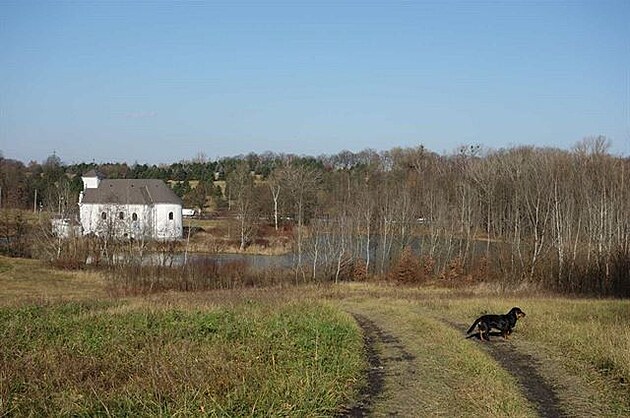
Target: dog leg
column 483, row 329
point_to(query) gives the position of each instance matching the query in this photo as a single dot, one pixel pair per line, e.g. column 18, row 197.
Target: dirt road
column 524, row 368
column 395, row 374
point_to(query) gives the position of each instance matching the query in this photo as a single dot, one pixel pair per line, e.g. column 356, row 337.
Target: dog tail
column 472, row 327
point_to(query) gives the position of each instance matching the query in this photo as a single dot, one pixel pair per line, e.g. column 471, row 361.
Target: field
column 220, row 235
column 69, row 348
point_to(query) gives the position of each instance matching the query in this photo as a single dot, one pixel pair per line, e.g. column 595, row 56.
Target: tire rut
column 395, row 352
column 524, row 368
column 534, row 387
column 386, row 354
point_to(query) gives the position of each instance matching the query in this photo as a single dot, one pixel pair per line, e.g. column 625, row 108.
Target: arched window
column 170, row 216
column 134, row 216
column 121, row 215
column 103, row 215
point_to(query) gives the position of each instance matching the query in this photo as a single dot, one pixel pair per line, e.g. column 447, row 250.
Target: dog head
column 517, row 311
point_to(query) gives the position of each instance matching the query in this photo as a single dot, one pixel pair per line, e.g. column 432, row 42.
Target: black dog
column 504, row 323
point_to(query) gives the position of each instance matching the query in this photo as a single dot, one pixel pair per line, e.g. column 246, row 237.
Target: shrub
column 407, row 269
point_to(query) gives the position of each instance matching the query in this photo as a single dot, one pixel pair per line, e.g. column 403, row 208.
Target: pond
column 253, row 261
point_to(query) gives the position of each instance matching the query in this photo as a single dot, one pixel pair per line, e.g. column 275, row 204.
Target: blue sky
column 158, row 81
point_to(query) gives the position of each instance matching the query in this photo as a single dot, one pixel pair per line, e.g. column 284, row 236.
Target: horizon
column 161, row 82
column 209, row 159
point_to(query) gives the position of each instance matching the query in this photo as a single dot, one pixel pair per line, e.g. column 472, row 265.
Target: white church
column 129, row 208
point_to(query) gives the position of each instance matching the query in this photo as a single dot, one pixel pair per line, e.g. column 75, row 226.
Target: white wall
column 90, row 182
column 151, row 222
column 166, row 228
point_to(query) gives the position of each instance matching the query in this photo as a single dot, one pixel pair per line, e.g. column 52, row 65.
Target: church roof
column 132, row 192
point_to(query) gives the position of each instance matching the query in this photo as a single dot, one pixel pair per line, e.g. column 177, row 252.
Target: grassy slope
column 67, row 347
column 112, row 358
column 30, row 280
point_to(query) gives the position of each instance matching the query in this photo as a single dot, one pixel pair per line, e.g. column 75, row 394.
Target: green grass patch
column 4, row 266
column 91, row 358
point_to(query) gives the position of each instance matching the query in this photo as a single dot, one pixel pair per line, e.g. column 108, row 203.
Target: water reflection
column 253, row 261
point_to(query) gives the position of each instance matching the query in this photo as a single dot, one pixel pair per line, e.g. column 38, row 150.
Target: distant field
column 68, row 348
column 23, row 280
column 222, row 236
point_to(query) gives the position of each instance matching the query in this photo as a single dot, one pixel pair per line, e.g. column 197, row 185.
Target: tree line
column 43, row 185
column 548, row 217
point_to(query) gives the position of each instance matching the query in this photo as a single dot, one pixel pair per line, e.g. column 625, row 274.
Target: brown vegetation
column 550, row 218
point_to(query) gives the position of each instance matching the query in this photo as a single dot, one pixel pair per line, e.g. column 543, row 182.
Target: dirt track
column 523, row 367
column 392, row 363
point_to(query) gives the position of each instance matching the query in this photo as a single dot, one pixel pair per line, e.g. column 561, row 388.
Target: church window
column 170, row 216
column 121, row 215
column 103, row 215
column 134, row 216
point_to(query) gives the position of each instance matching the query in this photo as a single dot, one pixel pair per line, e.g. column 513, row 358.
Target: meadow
column 228, row 357
column 68, row 347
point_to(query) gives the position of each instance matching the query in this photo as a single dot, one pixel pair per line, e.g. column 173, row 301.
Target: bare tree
column 274, row 182
column 301, row 183
column 240, row 183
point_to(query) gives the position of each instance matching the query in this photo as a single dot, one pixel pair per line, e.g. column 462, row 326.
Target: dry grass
column 447, row 371
column 153, row 357
column 66, row 348
column 222, row 236
column 207, row 224
column 590, row 341
column 28, row 215
column 204, row 242
column 582, row 346
column 263, row 349
column 23, row 280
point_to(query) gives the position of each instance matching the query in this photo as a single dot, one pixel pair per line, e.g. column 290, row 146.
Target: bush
column 407, row 270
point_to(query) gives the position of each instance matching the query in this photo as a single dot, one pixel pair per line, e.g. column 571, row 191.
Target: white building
column 132, row 208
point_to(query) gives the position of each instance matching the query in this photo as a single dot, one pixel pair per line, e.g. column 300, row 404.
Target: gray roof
column 131, row 191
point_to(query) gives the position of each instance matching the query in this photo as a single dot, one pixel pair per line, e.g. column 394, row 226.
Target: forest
column 545, row 217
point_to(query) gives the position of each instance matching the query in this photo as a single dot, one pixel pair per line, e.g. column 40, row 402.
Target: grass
column 115, row 358
column 590, row 341
column 222, row 236
column 69, row 348
column 31, row 280
column 27, row 215
column 447, row 370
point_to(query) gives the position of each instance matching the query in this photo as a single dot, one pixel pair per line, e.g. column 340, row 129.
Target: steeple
column 91, row 179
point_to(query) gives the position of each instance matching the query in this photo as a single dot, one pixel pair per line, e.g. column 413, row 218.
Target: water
column 253, row 261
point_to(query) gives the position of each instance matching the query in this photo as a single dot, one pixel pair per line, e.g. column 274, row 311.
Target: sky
column 160, row 82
